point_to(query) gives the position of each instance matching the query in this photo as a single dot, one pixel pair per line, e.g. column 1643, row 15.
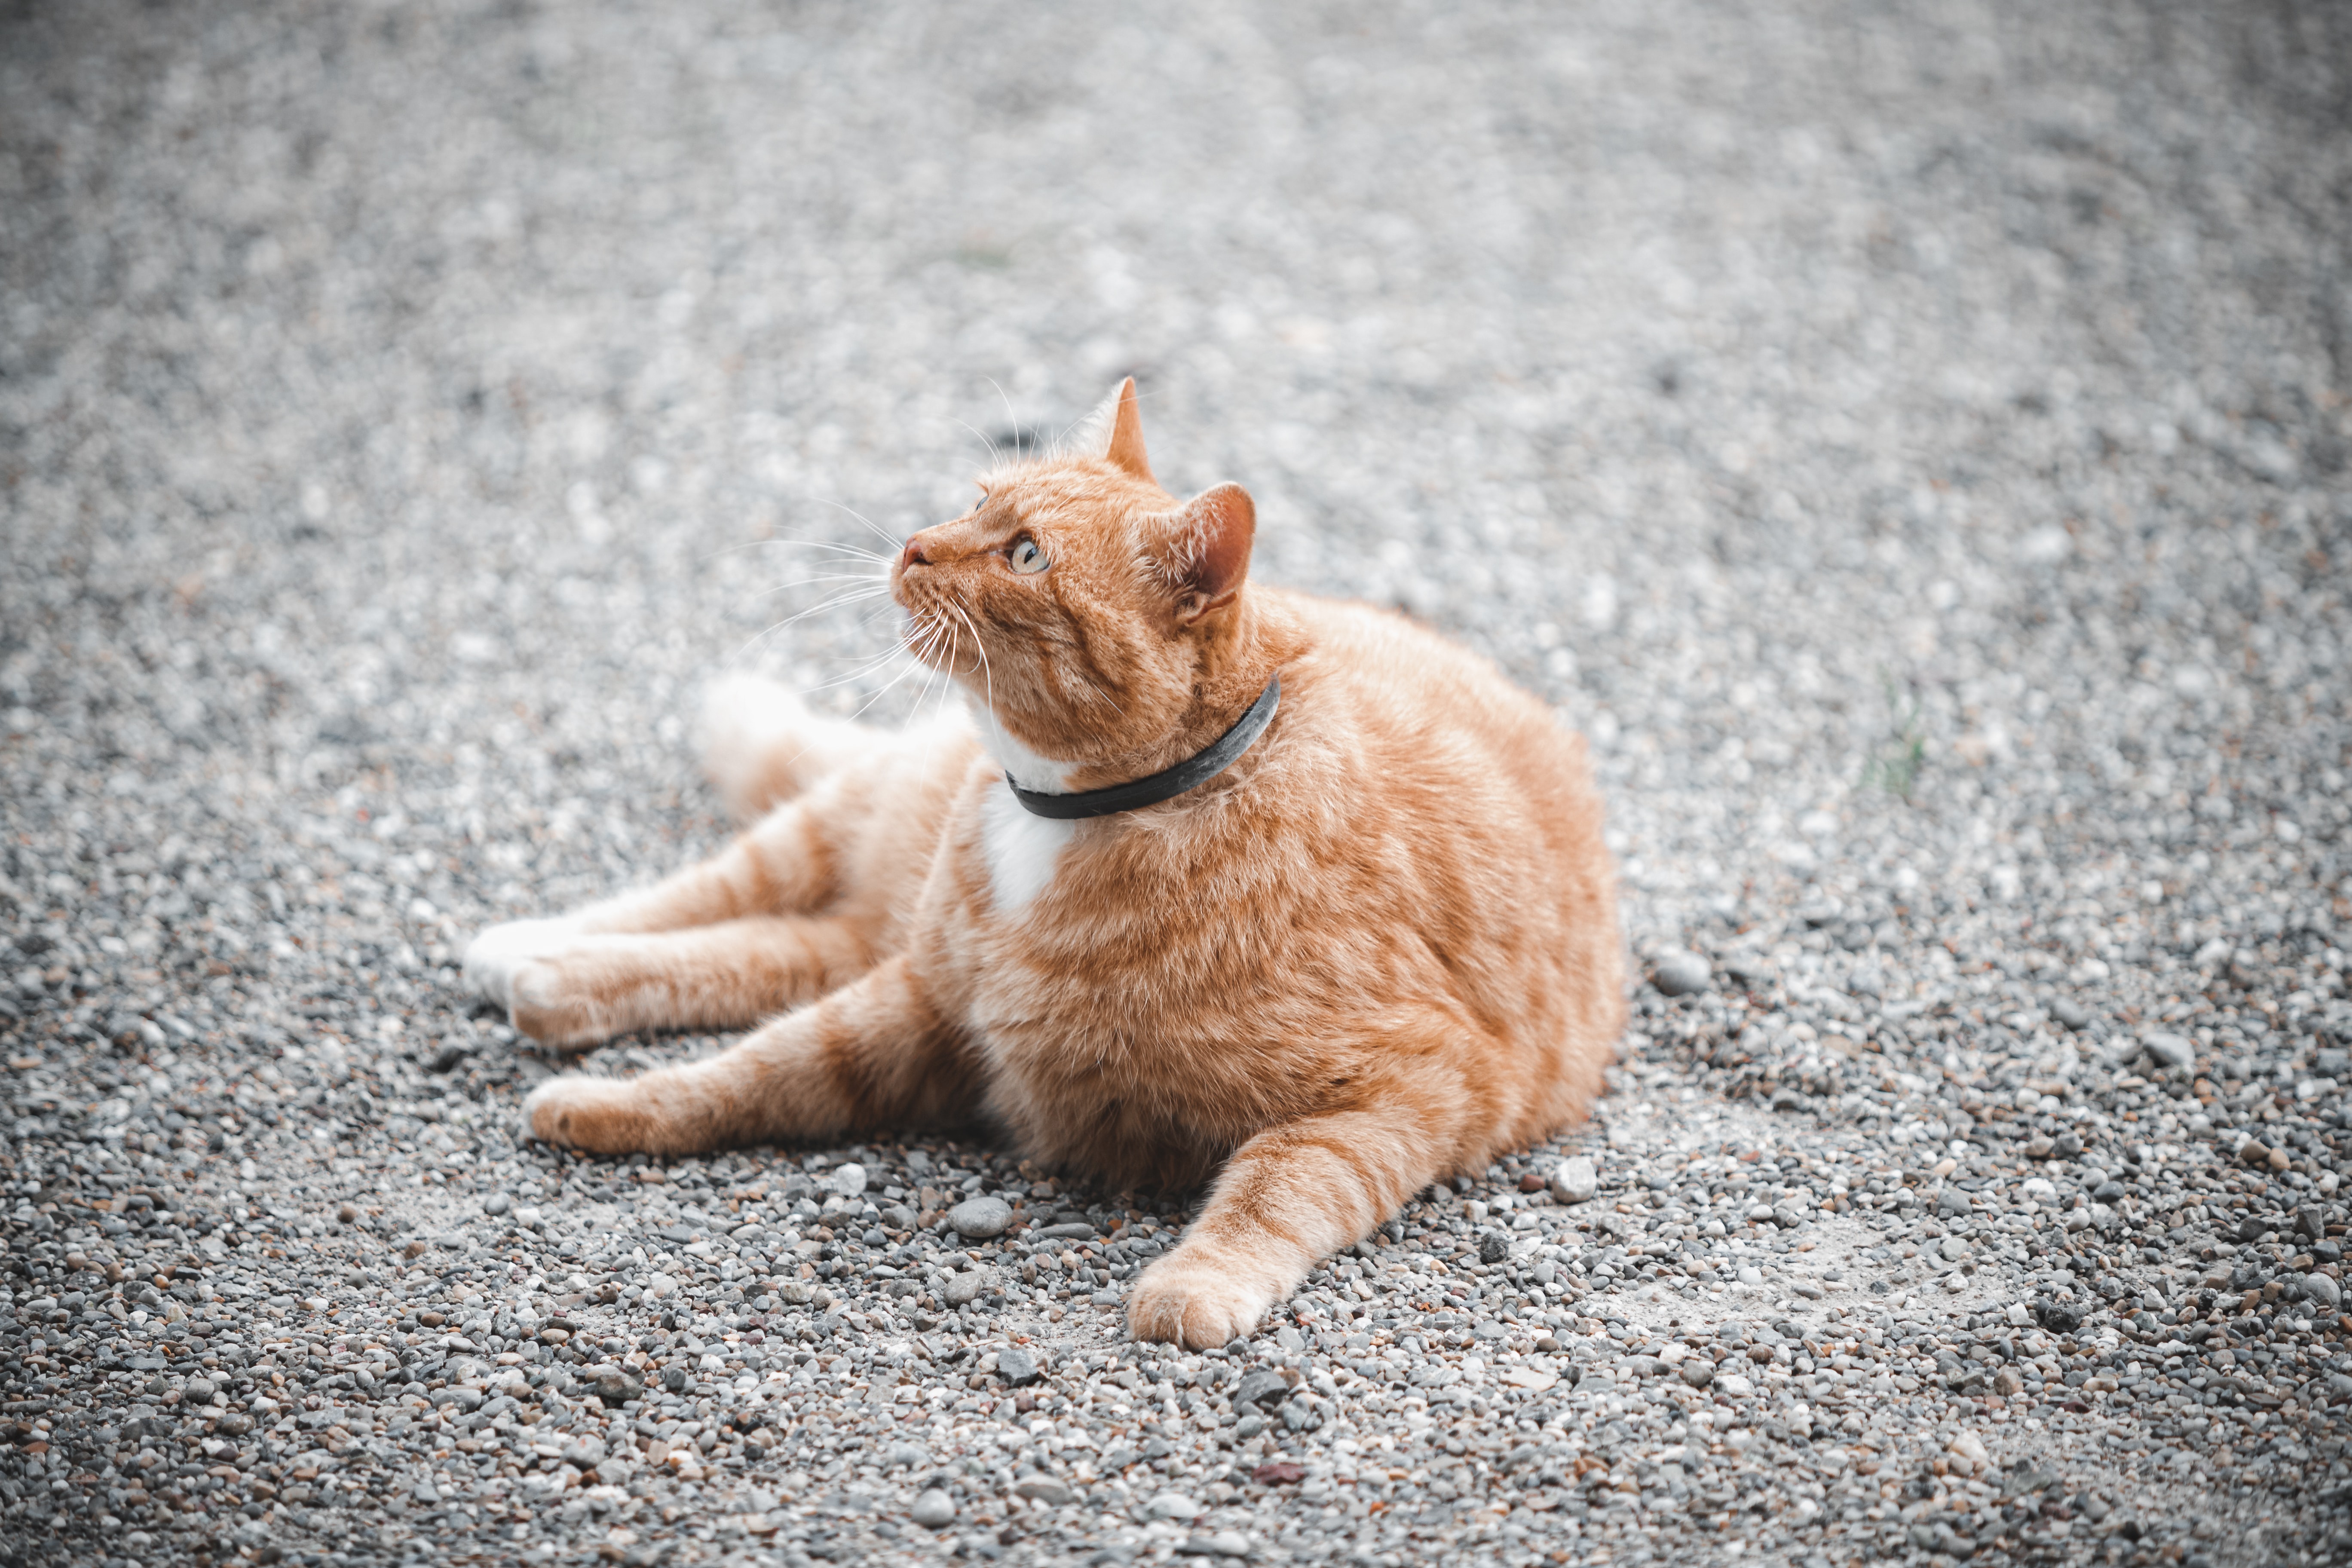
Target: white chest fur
column 1022, row 848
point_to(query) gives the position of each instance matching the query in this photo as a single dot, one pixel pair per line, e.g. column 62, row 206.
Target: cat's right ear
column 1205, row 551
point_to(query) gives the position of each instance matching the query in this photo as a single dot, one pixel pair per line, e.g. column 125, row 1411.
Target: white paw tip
column 493, row 957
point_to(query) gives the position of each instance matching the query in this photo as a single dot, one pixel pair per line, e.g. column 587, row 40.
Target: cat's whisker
column 858, row 550
column 752, row 644
column 1085, row 688
column 864, row 667
column 879, row 532
column 996, row 457
column 888, row 687
column 981, row 648
column 868, row 587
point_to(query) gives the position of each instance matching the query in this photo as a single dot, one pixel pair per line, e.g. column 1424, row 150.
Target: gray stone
column 1018, row 1367
column 964, row 1287
column 2174, row 1053
column 1696, row 1370
column 1575, row 1178
column 1261, row 1390
column 2069, row 1012
column 1046, row 1490
column 981, row 1218
column 614, row 1385
column 848, row 1179
column 934, row 1510
column 2322, row 1290
column 497, row 1204
column 1680, row 972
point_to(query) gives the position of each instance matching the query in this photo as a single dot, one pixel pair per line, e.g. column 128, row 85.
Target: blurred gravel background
column 1910, row 440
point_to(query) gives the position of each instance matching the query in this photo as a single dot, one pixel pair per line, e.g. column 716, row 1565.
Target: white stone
column 1575, row 1178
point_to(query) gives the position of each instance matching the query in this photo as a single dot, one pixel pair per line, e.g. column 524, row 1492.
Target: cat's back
column 1431, row 728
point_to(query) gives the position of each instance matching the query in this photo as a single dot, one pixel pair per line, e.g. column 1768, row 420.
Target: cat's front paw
column 601, row 1115
column 494, row 957
column 1197, row 1301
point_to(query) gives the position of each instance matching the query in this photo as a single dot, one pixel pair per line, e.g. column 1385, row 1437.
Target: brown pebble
column 348, row 1213
column 1531, row 1183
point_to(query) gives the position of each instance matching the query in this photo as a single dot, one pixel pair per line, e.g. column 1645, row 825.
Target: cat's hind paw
column 494, row 957
column 600, row 1115
column 1195, row 1302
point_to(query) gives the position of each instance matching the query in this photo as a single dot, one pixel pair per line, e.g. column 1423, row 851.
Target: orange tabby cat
column 1377, row 948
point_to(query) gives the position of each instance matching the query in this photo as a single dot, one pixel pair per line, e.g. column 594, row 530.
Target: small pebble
column 1575, row 1178
column 1681, row 973
column 980, row 1218
column 934, row 1510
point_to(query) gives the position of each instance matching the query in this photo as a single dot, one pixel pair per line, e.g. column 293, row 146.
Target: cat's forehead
column 1065, row 490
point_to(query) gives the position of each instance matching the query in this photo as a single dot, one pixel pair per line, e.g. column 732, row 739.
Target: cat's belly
column 1126, row 1133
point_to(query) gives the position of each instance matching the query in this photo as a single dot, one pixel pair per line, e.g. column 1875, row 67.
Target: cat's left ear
column 1204, row 550
column 1114, row 431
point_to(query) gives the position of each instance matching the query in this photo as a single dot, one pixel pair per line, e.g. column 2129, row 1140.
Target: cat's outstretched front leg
column 876, row 1053
column 1291, row 1195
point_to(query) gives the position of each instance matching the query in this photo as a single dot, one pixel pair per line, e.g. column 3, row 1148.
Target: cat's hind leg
column 848, row 854
column 761, row 744
column 785, row 865
column 727, row 975
column 876, row 1053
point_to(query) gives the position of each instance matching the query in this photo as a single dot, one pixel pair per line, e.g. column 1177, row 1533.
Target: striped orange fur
column 1378, row 949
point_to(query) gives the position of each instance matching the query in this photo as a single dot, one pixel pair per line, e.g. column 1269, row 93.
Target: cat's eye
column 1026, row 556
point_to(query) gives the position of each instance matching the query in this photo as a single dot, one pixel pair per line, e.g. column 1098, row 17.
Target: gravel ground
column 1911, row 441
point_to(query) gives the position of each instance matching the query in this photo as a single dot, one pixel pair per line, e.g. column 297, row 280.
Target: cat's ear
column 1114, row 432
column 1205, row 548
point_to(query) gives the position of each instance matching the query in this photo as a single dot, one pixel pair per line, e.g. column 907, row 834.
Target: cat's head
column 1080, row 601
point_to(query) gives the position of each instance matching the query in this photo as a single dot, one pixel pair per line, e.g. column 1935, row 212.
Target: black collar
column 1169, row 782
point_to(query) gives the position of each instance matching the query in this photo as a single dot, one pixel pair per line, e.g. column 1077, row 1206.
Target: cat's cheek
column 578, row 1113
column 1196, row 1303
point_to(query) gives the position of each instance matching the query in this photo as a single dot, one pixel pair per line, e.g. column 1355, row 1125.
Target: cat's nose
column 913, row 555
